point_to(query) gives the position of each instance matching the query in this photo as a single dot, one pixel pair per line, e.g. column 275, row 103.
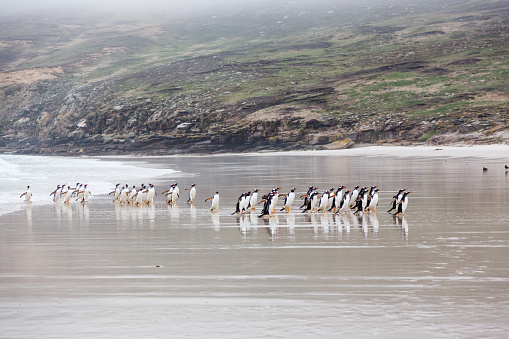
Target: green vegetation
column 421, row 60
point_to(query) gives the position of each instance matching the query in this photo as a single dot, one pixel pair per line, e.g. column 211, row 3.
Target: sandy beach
column 105, row 270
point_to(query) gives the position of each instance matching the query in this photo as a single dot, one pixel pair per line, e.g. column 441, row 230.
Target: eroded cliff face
column 51, row 116
column 87, row 86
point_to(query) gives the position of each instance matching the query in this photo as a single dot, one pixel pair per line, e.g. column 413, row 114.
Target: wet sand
column 103, row 270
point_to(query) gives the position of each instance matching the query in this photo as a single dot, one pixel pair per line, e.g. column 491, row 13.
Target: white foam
column 43, row 174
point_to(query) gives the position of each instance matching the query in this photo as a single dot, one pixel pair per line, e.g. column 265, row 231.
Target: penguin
column 396, row 199
column 306, row 196
column 192, row 193
column 79, row 192
column 324, row 200
column 168, row 194
column 312, row 201
column 253, row 199
column 353, row 198
column 273, row 201
column 403, row 204
column 372, row 204
column 215, row 202
column 242, row 203
column 175, row 194
column 268, row 201
column 68, row 195
column 290, row 197
column 144, row 194
column 362, row 200
column 140, row 195
column 56, row 194
column 116, row 192
column 27, row 195
column 132, row 195
column 373, row 201
column 124, row 195
column 344, row 204
column 151, row 194
column 86, row 193
column 338, row 196
column 331, row 199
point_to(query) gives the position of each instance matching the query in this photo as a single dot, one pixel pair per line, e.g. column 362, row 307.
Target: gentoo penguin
column 253, row 199
column 403, row 204
column 122, row 198
column 116, row 192
column 140, row 195
column 151, row 194
column 175, row 193
column 28, row 195
column 290, row 197
column 338, row 196
column 269, row 203
column 306, row 196
column 168, row 194
column 242, row 203
column 372, row 199
column 68, row 195
column 56, row 194
column 362, row 200
column 86, row 193
column 353, row 198
column 172, row 194
column 331, row 199
column 344, row 204
column 312, row 201
column 132, row 194
column 273, row 200
column 396, row 199
column 324, row 200
column 79, row 192
column 215, row 202
column 192, row 193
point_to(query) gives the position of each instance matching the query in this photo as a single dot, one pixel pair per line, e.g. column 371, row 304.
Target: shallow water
column 103, row 270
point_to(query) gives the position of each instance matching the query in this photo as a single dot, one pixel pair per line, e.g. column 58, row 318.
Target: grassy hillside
column 302, row 72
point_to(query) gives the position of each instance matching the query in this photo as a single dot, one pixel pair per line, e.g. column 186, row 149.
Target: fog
column 19, row 7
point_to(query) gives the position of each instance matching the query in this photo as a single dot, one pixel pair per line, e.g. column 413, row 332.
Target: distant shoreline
column 483, row 151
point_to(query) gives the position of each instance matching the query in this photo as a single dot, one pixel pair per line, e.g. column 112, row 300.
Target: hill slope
column 288, row 76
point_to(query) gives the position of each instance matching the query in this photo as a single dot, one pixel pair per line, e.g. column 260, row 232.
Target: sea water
column 44, row 173
column 102, row 269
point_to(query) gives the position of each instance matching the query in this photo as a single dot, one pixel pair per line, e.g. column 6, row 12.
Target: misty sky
column 43, row 6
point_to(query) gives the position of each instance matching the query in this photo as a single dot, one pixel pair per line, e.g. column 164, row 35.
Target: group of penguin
column 80, row 192
column 142, row 196
column 64, row 193
column 360, row 200
column 145, row 195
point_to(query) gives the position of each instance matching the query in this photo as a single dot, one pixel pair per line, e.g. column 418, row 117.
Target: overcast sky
column 9, row 7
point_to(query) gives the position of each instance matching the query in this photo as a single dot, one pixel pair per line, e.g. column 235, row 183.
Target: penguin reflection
column 290, row 222
column 28, row 212
column 244, row 224
column 215, row 221
column 272, row 226
column 402, row 224
column 373, row 220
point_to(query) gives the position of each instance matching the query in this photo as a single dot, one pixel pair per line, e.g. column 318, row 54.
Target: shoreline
column 498, row 151
column 464, row 150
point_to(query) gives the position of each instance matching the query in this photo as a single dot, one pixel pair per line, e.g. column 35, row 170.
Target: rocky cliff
column 319, row 85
